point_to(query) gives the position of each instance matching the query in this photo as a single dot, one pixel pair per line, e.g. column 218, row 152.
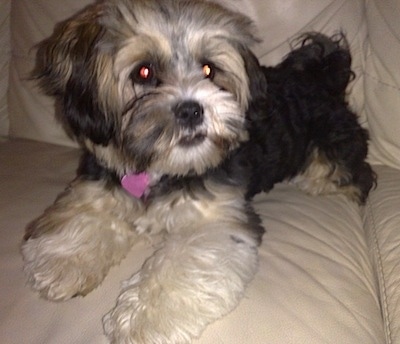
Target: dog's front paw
column 187, row 284
column 147, row 314
column 57, row 275
column 70, row 248
column 70, row 255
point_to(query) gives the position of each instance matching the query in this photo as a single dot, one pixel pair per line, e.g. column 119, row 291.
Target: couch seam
column 381, row 278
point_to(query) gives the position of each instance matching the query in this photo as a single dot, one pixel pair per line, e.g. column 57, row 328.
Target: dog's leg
column 337, row 163
column 195, row 277
column 69, row 249
column 325, row 177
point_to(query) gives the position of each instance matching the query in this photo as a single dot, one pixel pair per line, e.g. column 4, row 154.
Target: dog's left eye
column 144, row 74
column 208, row 70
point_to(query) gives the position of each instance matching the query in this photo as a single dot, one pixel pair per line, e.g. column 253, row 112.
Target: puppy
column 180, row 127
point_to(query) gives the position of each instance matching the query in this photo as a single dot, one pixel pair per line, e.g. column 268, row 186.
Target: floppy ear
column 66, row 68
column 256, row 76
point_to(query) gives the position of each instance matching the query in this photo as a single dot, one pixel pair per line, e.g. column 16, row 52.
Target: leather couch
column 329, row 270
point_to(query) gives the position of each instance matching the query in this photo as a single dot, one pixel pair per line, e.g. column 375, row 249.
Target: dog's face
column 153, row 85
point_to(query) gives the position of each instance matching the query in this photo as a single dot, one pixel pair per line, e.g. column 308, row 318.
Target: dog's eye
column 144, row 74
column 208, row 70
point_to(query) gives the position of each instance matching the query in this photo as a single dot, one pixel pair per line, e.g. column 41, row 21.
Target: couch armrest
column 382, row 224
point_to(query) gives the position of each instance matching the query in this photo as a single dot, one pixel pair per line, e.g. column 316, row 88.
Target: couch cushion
column 315, row 282
column 382, row 81
column 32, row 113
column 382, row 224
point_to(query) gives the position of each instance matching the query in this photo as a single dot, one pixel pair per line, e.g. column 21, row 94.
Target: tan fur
column 88, row 223
column 321, row 177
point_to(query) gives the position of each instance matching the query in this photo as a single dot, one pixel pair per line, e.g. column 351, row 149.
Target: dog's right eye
column 144, row 74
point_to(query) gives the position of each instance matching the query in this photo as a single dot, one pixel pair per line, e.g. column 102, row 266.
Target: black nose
column 189, row 113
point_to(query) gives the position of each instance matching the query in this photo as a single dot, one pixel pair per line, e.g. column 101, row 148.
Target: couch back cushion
column 280, row 22
column 382, row 81
column 32, row 114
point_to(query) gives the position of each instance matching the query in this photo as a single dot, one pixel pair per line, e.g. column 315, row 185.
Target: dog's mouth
column 192, row 139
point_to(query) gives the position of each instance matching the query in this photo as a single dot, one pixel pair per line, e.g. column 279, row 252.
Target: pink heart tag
column 136, row 184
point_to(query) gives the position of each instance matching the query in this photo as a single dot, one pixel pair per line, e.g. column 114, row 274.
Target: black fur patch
column 301, row 107
column 91, row 169
column 81, row 109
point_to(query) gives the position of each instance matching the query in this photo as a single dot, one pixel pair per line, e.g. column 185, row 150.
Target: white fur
column 198, row 274
column 193, row 279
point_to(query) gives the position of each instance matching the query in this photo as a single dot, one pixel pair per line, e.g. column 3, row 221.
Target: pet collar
column 136, row 184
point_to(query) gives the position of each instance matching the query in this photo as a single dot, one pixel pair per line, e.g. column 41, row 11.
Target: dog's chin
column 193, row 154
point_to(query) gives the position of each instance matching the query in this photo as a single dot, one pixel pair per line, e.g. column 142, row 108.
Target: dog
column 181, row 127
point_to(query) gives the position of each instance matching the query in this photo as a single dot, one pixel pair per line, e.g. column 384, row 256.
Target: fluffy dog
column 181, row 127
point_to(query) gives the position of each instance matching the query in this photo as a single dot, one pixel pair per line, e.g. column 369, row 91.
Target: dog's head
column 153, row 85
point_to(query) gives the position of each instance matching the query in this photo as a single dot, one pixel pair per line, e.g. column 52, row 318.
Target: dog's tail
column 317, row 59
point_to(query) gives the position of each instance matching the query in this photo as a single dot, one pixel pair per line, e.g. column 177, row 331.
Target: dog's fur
column 171, row 88
column 303, row 130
